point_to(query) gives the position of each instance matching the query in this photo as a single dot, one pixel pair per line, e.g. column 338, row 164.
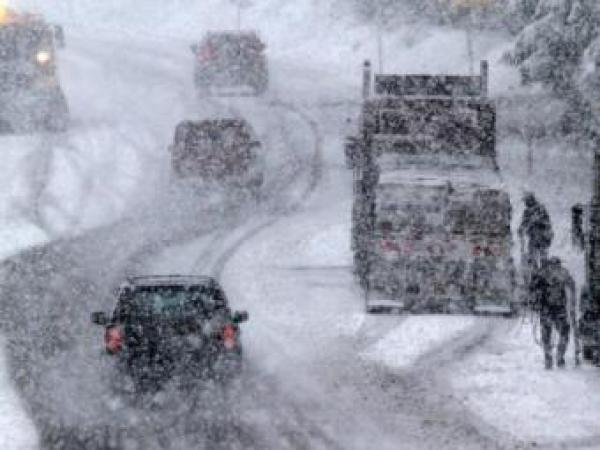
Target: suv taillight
column 205, row 53
column 228, row 334
column 113, row 339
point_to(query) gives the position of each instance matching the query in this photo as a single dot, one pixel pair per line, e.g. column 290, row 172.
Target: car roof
column 218, row 125
column 170, row 280
column 223, row 122
column 233, row 34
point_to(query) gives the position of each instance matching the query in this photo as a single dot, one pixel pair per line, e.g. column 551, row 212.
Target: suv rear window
column 19, row 42
column 220, row 147
column 170, row 302
column 233, row 41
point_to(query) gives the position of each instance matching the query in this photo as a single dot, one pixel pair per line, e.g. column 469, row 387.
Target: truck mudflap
column 495, row 309
column 384, row 306
column 374, row 304
column 438, row 286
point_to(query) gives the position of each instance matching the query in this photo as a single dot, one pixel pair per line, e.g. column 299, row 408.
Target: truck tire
column 56, row 123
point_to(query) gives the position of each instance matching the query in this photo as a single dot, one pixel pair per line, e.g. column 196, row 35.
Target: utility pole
column 379, row 26
column 240, row 4
column 470, row 6
column 470, row 24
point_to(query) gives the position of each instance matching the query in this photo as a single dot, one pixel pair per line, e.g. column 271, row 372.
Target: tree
column 549, row 50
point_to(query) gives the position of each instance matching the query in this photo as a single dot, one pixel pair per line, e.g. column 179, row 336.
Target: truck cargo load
column 431, row 217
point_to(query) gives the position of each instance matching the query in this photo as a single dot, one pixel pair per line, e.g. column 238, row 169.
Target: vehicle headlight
column 43, row 57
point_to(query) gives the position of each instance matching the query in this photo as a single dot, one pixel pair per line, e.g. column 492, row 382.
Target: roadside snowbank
column 17, row 234
column 416, row 336
column 17, row 431
column 505, row 383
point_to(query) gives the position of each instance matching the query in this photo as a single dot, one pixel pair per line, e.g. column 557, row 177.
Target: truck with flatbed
column 431, row 218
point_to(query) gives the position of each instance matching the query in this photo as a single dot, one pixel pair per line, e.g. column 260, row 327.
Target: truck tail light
column 490, row 250
column 389, row 245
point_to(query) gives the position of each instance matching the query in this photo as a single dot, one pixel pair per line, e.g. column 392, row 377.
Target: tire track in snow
column 288, row 431
column 316, row 171
column 296, row 418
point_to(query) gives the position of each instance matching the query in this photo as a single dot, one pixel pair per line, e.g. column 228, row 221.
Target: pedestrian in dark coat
column 536, row 229
column 553, row 294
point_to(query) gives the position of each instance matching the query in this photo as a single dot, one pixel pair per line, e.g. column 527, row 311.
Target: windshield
column 20, row 42
column 231, row 45
column 170, row 302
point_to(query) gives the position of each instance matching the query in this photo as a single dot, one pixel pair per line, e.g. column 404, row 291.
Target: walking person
column 536, row 229
column 553, row 296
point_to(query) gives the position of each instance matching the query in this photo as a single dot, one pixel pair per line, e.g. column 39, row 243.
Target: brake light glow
column 113, row 339
column 228, row 336
column 205, row 53
column 388, row 245
column 490, row 250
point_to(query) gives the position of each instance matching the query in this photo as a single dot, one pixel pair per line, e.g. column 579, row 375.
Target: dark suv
column 166, row 327
column 225, row 151
column 230, row 59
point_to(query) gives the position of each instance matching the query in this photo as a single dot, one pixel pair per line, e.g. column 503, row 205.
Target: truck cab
column 30, row 94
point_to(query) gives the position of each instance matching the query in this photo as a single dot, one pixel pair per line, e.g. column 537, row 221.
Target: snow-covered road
column 321, row 374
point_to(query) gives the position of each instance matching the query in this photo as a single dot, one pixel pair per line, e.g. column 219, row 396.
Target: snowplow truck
column 431, row 219
column 585, row 231
column 31, row 98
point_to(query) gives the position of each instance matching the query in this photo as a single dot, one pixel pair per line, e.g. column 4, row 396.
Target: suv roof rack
column 178, row 280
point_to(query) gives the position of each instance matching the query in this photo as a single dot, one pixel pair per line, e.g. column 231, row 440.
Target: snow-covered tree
column 550, row 48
